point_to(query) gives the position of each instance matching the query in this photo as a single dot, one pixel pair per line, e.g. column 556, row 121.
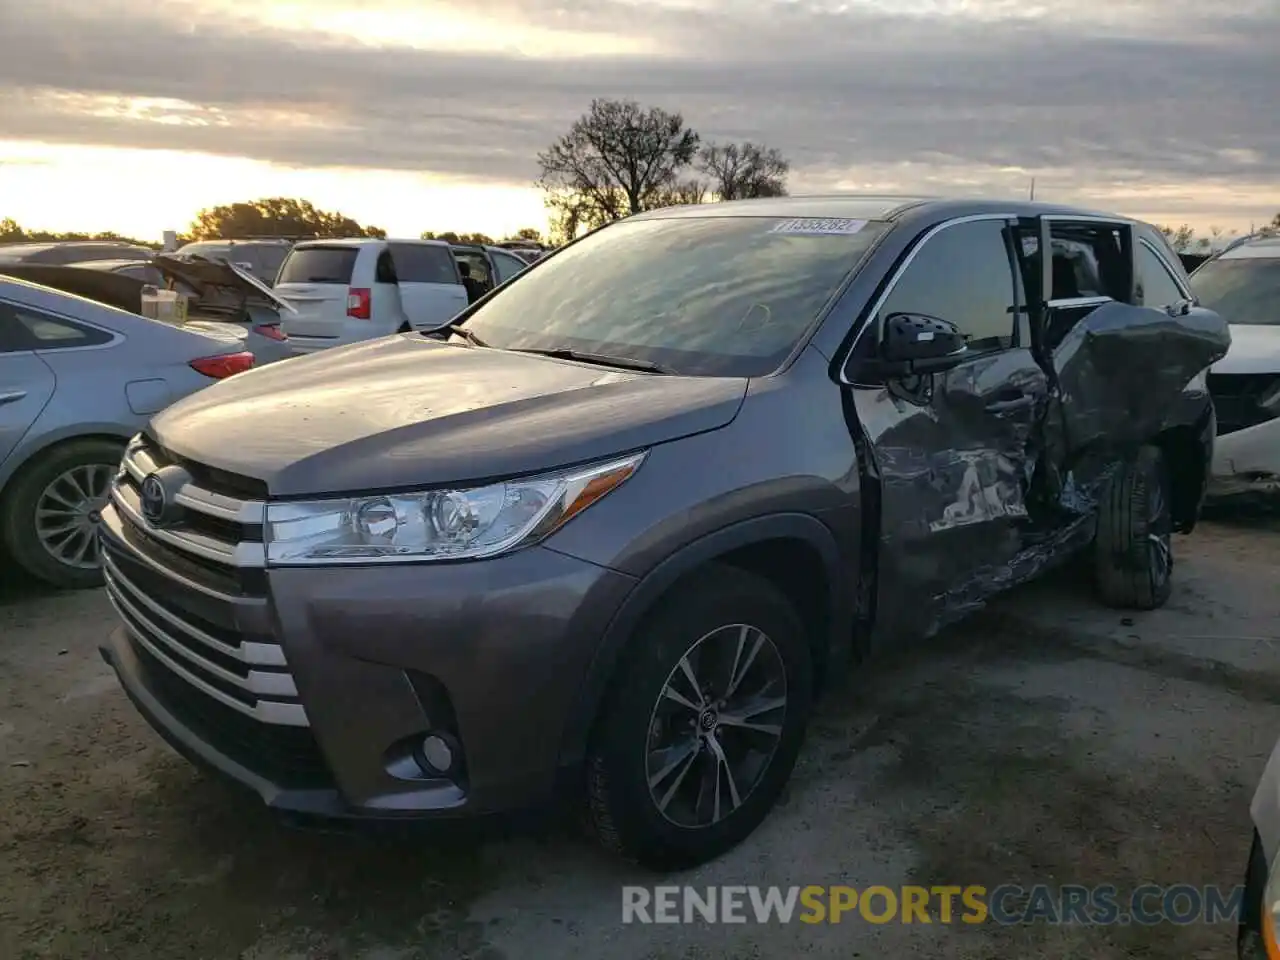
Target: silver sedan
column 77, row 380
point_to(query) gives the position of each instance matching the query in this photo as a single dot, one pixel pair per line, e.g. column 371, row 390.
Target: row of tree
column 1183, row 239
column 268, row 217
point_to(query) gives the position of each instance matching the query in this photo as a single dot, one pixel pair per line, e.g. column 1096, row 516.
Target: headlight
column 464, row 524
column 1200, row 383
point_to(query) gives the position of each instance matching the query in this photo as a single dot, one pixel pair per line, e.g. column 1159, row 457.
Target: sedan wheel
column 68, row 513
column 51, row 511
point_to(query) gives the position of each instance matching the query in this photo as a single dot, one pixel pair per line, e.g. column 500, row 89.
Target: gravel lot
column 1045, row 740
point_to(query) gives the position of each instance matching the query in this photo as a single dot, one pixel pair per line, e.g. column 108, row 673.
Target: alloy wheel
column 69, row 511
column 1159, row 533
column 716, row 726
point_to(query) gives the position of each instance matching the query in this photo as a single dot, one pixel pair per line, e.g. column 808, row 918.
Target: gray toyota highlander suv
column 620, row 524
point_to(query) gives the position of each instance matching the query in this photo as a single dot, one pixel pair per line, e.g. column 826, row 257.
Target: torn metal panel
column 954, row 454
column 1121, row 368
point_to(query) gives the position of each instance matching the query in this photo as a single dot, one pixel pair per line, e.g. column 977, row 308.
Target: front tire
column 51, row 511
column 1133, row 551
column 701, row 732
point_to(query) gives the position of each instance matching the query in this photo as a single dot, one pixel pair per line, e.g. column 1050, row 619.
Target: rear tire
column 721, row 777
column 60, row 480
column 1133, row 551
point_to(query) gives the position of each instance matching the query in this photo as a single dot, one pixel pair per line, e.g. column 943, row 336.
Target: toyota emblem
column 154, row 499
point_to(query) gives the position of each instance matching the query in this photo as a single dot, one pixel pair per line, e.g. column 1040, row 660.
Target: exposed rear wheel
column 701, row 733
column 1133, row 551
column 51, row 511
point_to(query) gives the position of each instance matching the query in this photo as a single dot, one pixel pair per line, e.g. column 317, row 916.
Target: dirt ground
column 1046, row 740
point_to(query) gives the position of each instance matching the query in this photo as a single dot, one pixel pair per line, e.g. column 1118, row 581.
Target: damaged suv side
column 622, row 525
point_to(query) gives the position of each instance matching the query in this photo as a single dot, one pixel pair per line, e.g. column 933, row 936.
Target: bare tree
column 616, row 160
column 739, row 171
column 1180, row 238
column 682, row 193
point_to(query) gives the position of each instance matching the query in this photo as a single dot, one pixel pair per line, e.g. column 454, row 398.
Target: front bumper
column 1246, row 463
column 493, row 653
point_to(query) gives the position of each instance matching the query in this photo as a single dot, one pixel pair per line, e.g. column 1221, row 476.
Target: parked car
column 77, row 379
column 224, row 292
column 221, row 298
column 74, row 251
column 1257, row 937
column 261, row 257
column 1243, row 285
column 346, row 291
column 632, row 515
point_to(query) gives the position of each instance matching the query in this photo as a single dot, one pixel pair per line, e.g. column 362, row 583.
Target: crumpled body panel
column 978, row 494
column 1121, row 369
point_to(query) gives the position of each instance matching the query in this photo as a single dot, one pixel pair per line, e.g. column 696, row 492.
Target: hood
column 202, row 275
column 1255, row 348
column 404, row 412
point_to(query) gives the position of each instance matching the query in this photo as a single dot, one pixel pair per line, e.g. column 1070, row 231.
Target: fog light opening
column 438, row 754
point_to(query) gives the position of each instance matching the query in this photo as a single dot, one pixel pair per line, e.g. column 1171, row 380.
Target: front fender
column 652, row 585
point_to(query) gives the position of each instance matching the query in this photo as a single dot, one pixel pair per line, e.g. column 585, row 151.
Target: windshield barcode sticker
column 820, row 225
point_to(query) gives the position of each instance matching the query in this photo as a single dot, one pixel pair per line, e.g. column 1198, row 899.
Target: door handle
column 1010, row 404
column 11, row 396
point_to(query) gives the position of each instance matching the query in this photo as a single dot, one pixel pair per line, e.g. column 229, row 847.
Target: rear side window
column 40, row 331
column 385, row 271
column 420, row 263
column 319, row 265
column 507, row 266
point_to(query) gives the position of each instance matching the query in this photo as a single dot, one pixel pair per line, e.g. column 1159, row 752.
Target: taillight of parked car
column 226, row 365
column 271, row 331
column 360, row 303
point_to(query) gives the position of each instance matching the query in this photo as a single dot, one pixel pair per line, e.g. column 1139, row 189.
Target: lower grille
column 286, row 756
column 1243, row 400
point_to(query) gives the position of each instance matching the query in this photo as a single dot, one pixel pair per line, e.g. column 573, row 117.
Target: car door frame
column 493, row 256
column 17, row 403
column 913, row 591
column 420, row 298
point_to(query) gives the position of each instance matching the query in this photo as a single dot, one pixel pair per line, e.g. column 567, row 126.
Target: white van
column 345, row 291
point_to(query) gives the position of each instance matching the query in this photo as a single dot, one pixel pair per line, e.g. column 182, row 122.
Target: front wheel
column 1133, row 551
column 700, row 735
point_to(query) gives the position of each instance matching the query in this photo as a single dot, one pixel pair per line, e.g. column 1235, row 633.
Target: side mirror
column 914, row 344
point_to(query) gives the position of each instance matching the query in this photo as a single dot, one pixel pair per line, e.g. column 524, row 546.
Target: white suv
column 1242, row 284
column 345, row 291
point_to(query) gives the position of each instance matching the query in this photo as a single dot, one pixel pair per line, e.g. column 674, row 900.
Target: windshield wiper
column 463, row 332
column 626, row 363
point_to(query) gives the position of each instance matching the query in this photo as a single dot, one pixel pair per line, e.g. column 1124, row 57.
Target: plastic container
column 167, row 306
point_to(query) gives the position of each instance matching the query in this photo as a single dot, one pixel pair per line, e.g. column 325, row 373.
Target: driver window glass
column 962, row 274
column 1157, row 286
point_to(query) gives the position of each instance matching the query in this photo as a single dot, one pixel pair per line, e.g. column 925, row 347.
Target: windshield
column 711, row 296
column 1244, row 291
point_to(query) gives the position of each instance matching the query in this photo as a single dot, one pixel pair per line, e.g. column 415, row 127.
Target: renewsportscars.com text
column 1008, row 904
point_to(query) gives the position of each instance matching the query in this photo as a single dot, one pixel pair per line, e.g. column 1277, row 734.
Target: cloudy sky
column 412, row 114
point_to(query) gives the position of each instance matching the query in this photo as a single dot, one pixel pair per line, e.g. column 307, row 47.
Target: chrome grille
column 187, row 595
